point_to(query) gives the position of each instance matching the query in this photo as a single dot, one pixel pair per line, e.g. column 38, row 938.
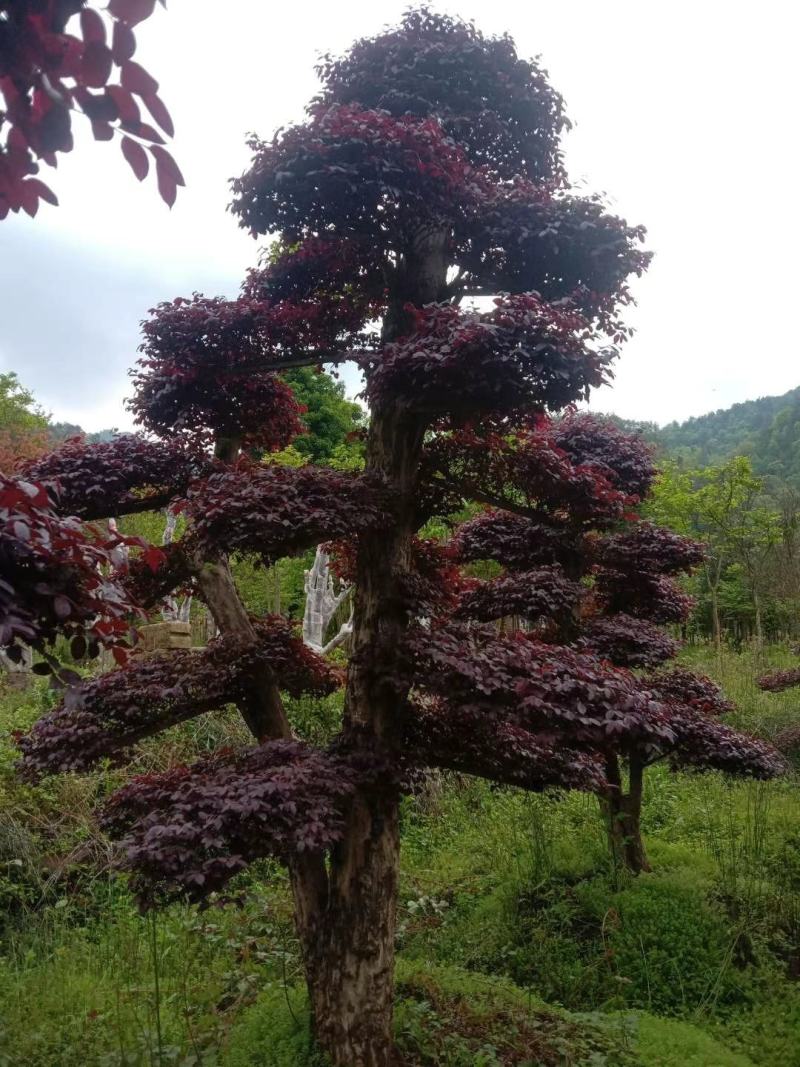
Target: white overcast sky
column 685, row 113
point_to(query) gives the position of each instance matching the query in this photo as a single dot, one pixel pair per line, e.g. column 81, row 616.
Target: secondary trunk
column 623, row 816
column 758, row 622
column 713, row 589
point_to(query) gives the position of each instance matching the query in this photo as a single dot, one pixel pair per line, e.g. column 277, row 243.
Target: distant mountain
column 60, row 431
column 767, row 430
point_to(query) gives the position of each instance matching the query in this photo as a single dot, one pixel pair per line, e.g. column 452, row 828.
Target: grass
column 518, row 944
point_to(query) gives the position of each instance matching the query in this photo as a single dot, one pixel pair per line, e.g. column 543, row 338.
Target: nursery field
column 517, row 942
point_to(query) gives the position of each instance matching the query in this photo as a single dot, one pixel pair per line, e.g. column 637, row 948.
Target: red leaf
column 123, row 43
column 29, row 198
column 166, row 186
column 132, row 11
column 143, row 130
column 165, row 160
column 126, row 105
column 153, row 557
column 102, row 131
column 17, row 141
column 137, row 80
column 120, row 655
column 169, row 176
column 156, row 107
column 92, row 26
column 96, row 65
column 44, row 191
column 136, row 157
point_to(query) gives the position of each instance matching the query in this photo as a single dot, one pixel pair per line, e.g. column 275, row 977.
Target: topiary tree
column 428, row 171
column 586, row 573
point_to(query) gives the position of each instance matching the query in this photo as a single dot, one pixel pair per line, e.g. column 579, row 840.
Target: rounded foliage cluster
column 106, row 715
column 129, row 473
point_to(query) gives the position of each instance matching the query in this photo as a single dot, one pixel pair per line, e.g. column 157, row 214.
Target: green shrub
column 273, row 1032
column 666, row 942
column 669, row 1043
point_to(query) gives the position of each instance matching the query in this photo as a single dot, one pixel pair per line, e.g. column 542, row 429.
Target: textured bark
column 349, row 941
column 349, row 948
column 623, row 813
column 263, row 711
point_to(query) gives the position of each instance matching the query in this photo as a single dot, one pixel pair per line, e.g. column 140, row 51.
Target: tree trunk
column 622, row 813
column 758, row 621
column 350, row 952
column 349, row 948
column 349, row 944
column 713, row 589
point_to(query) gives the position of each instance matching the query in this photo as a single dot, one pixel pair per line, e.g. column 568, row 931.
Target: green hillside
column 767, row 430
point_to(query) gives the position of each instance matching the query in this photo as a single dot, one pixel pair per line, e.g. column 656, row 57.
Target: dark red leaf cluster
column 542, row 688
column 501, row 108
column 429, row 586
column 207, row 365
column 47, row 73
column 627, row 642
column 519, row 543
column 187, row 832
column 693, row 705
column 708, row 744
column 626, row 459
column 778, row 681
column 525, row 469
column 149, row 579
column 108, row 714
column 127, row 474
column 333, row 271
column 564, row 247
column 55, row 574
column 681, row 686
column 271, row 511
column 442, row 734
column 523, row 354
column 654, row 549
column 368, row 173
column 542, row 594
column 433, row 581
column 643, row 595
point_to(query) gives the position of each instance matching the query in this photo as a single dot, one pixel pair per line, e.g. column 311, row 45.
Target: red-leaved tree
column 584, row 573
column 61, row 57
column 428, row 171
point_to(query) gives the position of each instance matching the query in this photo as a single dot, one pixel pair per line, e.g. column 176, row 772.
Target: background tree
column 724, row 507
column 428, row 170
column 23, row 425
column 332, row 421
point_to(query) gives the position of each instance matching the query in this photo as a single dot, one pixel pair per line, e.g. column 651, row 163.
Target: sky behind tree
column 684, row 116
